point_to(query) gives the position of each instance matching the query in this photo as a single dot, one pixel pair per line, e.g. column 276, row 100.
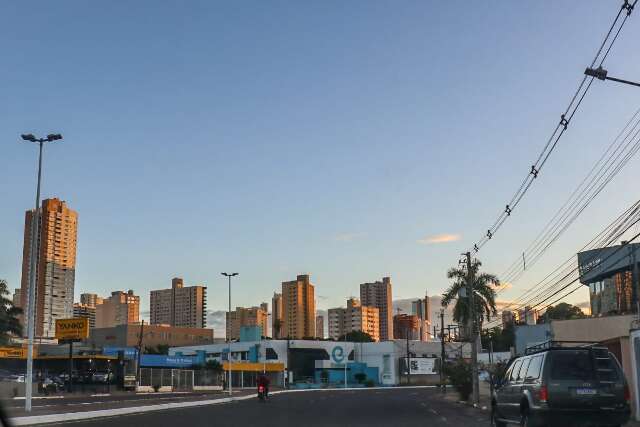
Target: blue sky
column 275, row 138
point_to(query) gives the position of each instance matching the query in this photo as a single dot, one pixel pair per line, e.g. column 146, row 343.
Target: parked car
column 564, row 386
column 16, row 378
column 100, row 377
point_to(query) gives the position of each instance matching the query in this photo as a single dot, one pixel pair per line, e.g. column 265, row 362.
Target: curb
column 104, row 413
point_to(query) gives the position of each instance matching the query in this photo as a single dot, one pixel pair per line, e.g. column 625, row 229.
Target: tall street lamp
column 229, row 276
column 601, row 74
column 34, row 249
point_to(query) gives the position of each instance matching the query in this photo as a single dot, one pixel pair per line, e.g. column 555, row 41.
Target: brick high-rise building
column 90, row 299
column 378, row 294
column 422, row 309
column 406, row 324
column 121, row 308
column 355, row 317
column 320, row 326
column 241, row 316
column 180, row 306
column 83, row 310
column 298, row 308
column 276, row 316
column 56, row 265
column 17, row 297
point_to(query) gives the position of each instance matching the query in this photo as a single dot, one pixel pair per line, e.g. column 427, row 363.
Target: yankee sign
column 72, row 329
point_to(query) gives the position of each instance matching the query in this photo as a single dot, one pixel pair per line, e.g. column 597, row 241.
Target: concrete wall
column 593, row 329
column 9, row 390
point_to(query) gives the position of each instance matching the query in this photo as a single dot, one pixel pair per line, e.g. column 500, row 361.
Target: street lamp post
column 34, row 249
column 229, row 276
column 601, row 74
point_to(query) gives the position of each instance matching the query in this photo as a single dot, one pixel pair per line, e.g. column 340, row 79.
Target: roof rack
column 550, row 345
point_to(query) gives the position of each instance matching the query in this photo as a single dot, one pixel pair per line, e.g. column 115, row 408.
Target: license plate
column 586, row 391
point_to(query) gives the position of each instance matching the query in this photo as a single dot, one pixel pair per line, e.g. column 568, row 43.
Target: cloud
column 217, row 321
column 348, row 237
column 503, row 286
column 439, row 238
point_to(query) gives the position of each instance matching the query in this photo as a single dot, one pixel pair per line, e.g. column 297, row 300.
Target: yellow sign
column 254, row 366
column 72, row 329
column 13, row 352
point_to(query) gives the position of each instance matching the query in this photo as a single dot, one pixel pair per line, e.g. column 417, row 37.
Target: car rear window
column 607, row 368
column 534, row 367
column 515, row 370
column 571, row 365
column 523, row 369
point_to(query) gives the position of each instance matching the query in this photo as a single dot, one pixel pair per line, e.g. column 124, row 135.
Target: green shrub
column 460, row 375
column 360, row 377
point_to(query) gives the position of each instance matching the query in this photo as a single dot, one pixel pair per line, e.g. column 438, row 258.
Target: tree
column 9, row 323
column 159, row 349
column 563, row 311
column 502, row 338
column 357, row 336
column 484, row 295
column 213, row 365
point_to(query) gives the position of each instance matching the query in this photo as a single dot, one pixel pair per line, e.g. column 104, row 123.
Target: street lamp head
column 53, row 137
column 599, row 73
column 229, row 274
column 28, row 137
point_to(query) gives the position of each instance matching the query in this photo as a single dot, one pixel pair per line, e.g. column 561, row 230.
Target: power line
column 560, row 128
column 550, row 288
column 615, row 157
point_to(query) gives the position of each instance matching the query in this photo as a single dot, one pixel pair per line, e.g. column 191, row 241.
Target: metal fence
column 179, row 379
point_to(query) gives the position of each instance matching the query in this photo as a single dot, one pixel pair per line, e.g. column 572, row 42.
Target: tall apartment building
column 276, row 316
column 378, row 294
column 406, row 325
column 180, row 306
column 320, row 326
column 355, row 317
column 90, row 299
column 422, row 309
column 83, row 310
column 252, row 316
column 17, row 297
column 121, row 308
column 56, row 264
column 298, row 308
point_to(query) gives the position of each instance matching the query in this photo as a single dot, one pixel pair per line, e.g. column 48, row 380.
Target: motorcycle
column 262, row 393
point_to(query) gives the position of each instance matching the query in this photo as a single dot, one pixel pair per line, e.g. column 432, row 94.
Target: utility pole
column 34, row 251
column 229, row 276
column 491, row 367
column 140, row 349
column 472, row 330
column 443, row 355
column 408, row 358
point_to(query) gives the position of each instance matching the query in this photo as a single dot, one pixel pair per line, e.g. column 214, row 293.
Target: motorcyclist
column 263, row 381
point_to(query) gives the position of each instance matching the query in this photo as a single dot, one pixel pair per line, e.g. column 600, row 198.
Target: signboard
column 72, row 329
column 13, row 352
column 422, row 365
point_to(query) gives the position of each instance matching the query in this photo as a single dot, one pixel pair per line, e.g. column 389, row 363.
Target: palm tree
column 9, row 323
column 484, row 295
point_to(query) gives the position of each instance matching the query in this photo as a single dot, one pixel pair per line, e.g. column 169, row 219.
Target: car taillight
column 627, row 394
column 543, row 394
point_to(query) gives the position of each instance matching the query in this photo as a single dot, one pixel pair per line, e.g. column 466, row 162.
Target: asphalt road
column 393, row 407
column 80, row 403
